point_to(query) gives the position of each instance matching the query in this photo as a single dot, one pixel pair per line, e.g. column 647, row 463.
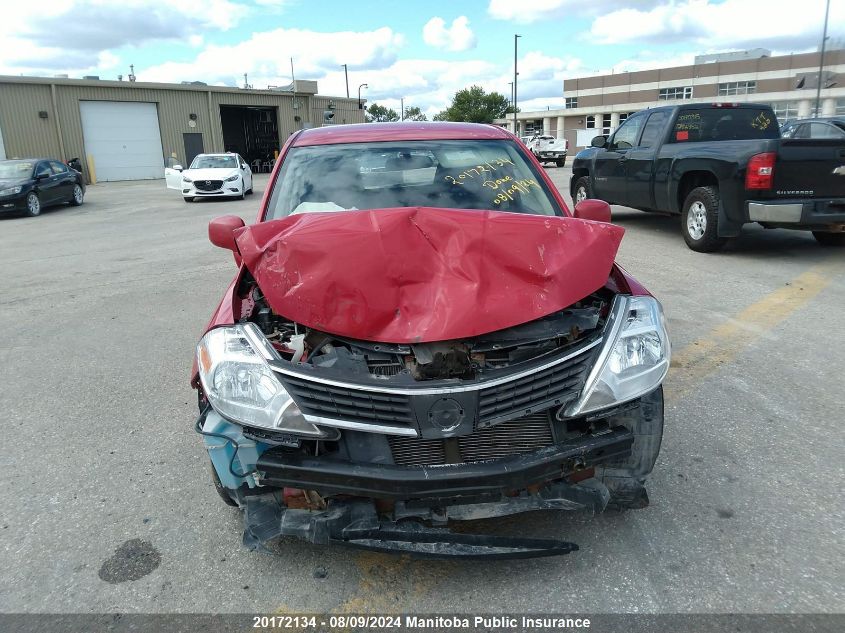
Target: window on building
column 623, row 117
column 591, row 122
column 839, row 108
column 785, row 110
column 737, row 88
column 681, row 92
column 605, row 124
column 571, row 102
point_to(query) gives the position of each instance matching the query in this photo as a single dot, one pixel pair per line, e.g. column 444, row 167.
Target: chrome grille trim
column 434, row 391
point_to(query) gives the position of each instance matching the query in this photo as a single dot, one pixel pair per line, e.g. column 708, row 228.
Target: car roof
column 218, row 154
column 822, row 119
column 408, row 131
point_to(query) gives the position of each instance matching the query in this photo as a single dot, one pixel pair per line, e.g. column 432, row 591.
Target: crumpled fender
column 420, row 274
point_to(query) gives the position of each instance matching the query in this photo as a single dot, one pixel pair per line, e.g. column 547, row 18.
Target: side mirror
column 595, row 210
column 243, row 166
column 177, row 167
column 221, row 232
column 42, row 176
column 599, row 141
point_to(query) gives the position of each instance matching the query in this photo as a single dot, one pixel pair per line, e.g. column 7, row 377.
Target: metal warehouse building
column 131, row 130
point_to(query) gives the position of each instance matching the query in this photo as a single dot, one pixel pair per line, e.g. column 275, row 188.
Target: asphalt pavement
column 108, row 504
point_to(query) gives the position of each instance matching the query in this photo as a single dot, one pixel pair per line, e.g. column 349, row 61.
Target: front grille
column 354, row 405
column 513, row 437
column 208, row 185
column 550, row 387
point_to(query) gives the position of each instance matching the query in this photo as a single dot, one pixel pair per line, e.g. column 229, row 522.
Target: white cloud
column 530, row 11
column 731, row 24
column 458, row 37
column 70, row 35
column 266, row 57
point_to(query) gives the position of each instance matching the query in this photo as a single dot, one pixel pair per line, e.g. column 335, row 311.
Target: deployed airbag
column 419, row 274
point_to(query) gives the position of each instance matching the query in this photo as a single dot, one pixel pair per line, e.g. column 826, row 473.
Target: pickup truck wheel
column 700, row 220
column 829, row 239
column 560, row 162
column 582, row 189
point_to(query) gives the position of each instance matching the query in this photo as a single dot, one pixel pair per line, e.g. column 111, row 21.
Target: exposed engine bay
column 461, row 359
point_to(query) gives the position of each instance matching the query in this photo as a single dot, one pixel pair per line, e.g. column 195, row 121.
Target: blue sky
column 422, row 51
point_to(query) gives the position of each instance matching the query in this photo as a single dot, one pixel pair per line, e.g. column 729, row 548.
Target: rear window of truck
column 724, row 124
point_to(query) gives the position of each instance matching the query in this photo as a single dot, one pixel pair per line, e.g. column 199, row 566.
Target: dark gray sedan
column 30, row 184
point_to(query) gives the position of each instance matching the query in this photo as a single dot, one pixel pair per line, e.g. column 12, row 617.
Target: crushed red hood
column 419, row 274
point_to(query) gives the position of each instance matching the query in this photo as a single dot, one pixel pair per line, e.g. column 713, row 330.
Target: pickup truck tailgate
column 810, row 168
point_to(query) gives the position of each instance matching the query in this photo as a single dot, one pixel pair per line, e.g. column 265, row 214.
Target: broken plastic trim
column 356, row 524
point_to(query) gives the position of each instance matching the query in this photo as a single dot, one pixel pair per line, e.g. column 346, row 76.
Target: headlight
column 242, row 387
column 186, row 179
column 634, row 359
column 232, row 178
column 11, row 191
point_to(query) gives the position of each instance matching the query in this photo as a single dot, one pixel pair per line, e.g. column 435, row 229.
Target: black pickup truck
column 719, row 166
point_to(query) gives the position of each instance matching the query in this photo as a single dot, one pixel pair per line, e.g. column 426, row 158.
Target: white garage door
column 124, row 139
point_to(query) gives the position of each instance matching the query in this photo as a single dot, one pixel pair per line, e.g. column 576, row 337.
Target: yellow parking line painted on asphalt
column 705, row 356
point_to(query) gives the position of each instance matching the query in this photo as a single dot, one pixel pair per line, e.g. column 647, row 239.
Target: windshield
column 15, row 169
column 214, row 162
column 469, row 174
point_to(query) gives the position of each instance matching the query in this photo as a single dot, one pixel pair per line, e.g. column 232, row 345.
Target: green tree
column 413, row 113
column 380, row 114
column 475, row 106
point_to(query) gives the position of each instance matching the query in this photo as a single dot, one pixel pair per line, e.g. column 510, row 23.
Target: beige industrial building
column 597, row 105
column 125, row 130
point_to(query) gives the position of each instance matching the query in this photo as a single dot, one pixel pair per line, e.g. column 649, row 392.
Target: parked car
column 31, row 184
column 832, row 127
column 548, row 149
column 719, row 166
column 211, row 175
column 420, row 331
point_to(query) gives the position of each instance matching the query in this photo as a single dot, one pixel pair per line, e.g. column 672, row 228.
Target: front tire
column 583, row 190
column 243, row 190
column 700, row 220
column 33, row 204
column 221, row 489
column 77, row 196
column 829, row 239
column 560, row 162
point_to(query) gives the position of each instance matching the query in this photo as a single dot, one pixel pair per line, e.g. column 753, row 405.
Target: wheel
column 187, row 199
column 829, row 239
column 243, row 191
column 221, row 490
column 700, row 220
column 625, row 479
column 560, row 162
column 77, row 196
column 33, row 204
column 583, row 190
column 251, row 186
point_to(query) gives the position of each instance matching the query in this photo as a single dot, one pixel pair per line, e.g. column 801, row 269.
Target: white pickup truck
column 548, row 149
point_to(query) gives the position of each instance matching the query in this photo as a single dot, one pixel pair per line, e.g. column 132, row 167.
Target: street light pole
column 510, row 83
column 346, row 74
column 821, row 61
column 402, row 108
column 515, row 74
column 361, row 105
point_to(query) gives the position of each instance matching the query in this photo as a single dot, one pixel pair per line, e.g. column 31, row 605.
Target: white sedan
column 211, row 175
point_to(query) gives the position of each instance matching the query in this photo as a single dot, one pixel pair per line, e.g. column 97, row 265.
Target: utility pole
column 402, row 108
column 821, row 61
column 346, row 74
column 515, row 74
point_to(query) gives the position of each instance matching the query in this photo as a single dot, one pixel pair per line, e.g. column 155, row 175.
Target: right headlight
column 634, row 359
column 186, row 179
column 241, row 385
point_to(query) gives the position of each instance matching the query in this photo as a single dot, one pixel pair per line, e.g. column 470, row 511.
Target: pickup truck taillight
column 761, row 171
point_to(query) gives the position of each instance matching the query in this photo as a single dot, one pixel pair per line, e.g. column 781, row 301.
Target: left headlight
column 242, row 387
column 233, row 178
column 634, row 359
column 11, row 191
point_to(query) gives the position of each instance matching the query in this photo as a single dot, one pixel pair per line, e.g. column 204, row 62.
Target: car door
column 64, row 181
column 247, row 173
column 173, row 177
column 610, row 178
column 640, row 162
column 45, row 184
